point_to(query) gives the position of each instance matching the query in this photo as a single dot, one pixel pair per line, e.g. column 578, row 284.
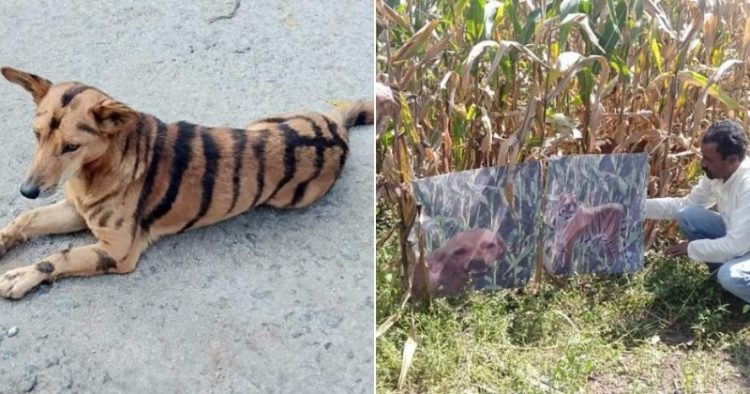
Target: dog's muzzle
column 477, row 267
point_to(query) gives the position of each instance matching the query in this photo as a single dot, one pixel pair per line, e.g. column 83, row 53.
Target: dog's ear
column 436, row 261
column 113, row 116
column 501, row 246
column 34, row 84
column 427, row 281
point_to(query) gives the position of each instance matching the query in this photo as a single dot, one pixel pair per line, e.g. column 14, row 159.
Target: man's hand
column 677, row 250
column 386, row 104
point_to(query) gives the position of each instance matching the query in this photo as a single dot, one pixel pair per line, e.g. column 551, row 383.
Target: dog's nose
column 30, row 190
column 477, row 265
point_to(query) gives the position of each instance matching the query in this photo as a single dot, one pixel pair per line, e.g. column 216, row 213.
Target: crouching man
column 720, row 239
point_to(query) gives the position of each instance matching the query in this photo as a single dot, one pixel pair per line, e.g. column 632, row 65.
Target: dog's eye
column 460, row 252
column 489, row 246
column 70, row 148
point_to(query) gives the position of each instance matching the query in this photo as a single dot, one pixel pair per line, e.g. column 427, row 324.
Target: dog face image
column 131, row 178
column 462, row 261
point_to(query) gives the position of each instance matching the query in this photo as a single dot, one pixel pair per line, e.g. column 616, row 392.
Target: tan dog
column 131, row 178
column 460, row 262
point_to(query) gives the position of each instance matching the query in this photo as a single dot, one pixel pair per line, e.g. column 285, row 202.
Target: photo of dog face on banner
column 474, row 236
column 594, row 214
column 464, row 261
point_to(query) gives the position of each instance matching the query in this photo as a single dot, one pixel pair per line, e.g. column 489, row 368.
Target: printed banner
column 594, row 213
column 480, row 228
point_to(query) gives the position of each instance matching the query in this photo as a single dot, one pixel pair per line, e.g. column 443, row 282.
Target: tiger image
column 131, row 178
column 599, row 226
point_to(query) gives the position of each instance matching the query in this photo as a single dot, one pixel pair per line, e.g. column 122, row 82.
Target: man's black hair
column 729, row 137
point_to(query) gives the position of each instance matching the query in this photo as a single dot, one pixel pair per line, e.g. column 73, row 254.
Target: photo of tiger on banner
column 594, row 214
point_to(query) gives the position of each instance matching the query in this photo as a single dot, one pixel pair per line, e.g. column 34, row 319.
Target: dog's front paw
column 17, row 282
column 4, row 246
column 7, row 242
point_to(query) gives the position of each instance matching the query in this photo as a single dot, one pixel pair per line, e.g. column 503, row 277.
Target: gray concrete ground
column 267, row 302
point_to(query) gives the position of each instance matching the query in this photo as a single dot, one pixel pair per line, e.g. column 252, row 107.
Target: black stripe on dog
column 211, row 155
column 91, row 215
column 136, row 133
column 147, row 140
column 259, row 150
column 138, row 138
column 104, row 261
column 181, row 159
column 100, row 200
column 148, row 183
column 279, row 119
column 333, row 128
column 273, row 120
column 292, row 141
column 239, row 138
column 87, row 128
column 45, row 267
column 105, row 217
column 71, row 93
column 127, row 144
column 299, row 191
column 361, row 119
column 145, row 135
column 54, row 123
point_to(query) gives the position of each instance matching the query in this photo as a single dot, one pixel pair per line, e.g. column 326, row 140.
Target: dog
column 131, row 178
column 462, row 261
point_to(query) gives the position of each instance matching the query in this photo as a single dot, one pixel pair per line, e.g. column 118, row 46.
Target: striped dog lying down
column 130, row 178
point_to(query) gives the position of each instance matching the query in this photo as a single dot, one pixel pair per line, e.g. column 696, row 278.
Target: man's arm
column 667, row 207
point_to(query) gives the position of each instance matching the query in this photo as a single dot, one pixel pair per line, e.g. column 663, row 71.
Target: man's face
column 714, row 165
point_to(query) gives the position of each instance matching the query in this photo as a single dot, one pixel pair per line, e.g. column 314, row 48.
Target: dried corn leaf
column 410, row 347
column 415, row 42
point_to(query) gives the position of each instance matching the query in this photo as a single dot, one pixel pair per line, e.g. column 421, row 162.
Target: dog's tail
column 356, row 113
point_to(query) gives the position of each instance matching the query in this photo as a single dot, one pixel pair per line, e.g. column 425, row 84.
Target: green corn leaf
column 696, row 79
column 474, row 17
column 569, row 7
column 656, row 53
